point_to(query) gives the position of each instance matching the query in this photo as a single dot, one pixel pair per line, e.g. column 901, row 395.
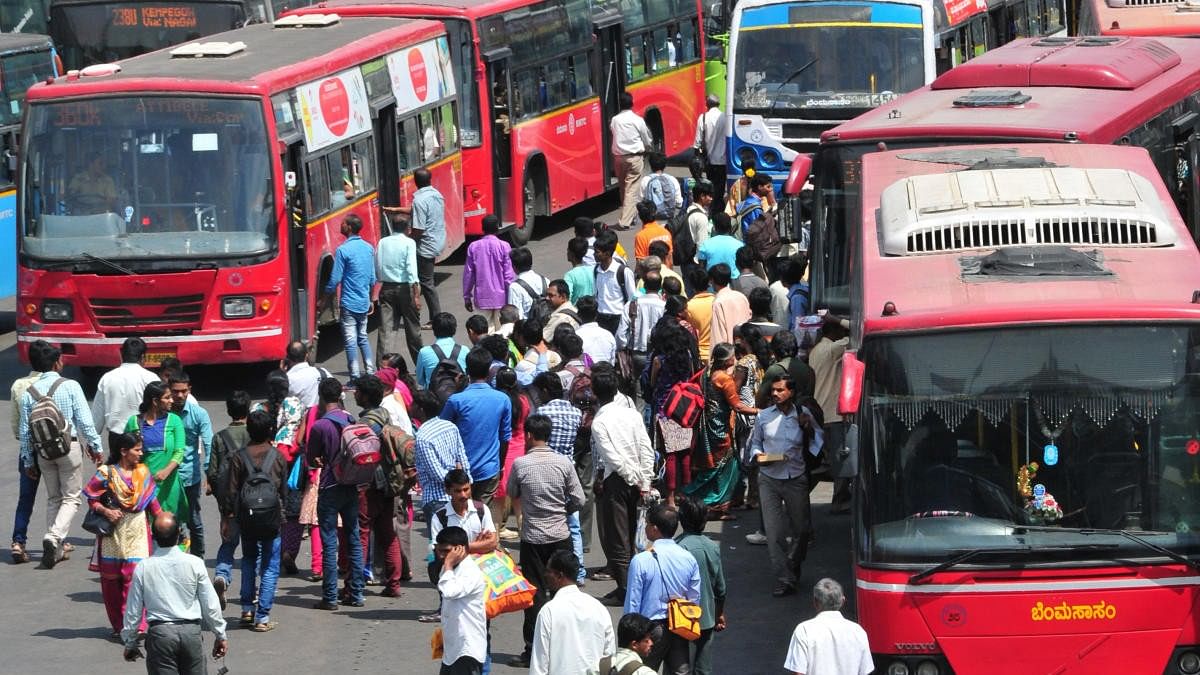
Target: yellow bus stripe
column 557, row 111
column 669, row 73
column 375, row 193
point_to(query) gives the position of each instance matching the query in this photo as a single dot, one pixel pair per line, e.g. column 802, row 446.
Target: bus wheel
column 534, row 198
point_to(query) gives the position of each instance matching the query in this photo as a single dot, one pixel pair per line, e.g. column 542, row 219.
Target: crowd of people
column 553, row 420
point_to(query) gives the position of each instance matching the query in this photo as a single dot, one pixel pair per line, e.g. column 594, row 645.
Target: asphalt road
column 55, row 620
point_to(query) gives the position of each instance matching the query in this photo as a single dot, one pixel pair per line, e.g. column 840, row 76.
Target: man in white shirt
column 639, row 319
column 464, row 621
column 528, row 286
column 630, row 140
column 624, row 467
column 120, row 390
column 574, row 631
column 303, row 377
column 598, row 343
column 559, row 295
column 710, row 143
column 782, row 434
column 829, row 643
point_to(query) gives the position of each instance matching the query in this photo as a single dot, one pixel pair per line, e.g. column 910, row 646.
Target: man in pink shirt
column 729, row 308
column 487, row 273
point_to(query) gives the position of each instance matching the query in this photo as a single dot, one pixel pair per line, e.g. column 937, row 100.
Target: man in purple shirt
column 333, row 499
column 487, row 273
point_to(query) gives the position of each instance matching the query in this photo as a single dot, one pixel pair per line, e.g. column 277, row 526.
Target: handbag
column 683, row 615
column 685, row 401
column 97, row 524
column 293, row 481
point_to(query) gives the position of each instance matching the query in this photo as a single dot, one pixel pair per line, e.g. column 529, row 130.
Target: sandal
column 264, row 627
column 247, row 619
column 19, row 554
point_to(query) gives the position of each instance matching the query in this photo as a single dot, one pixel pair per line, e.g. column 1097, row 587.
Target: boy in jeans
column 225, row 444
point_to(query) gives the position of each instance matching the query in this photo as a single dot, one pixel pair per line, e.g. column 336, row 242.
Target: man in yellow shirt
column 700, row 310
column 93, row 190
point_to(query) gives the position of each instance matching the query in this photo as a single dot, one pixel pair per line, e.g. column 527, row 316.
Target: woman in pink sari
column 121, row 491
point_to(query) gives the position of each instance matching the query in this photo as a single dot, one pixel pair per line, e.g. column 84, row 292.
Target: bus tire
column 534, row 195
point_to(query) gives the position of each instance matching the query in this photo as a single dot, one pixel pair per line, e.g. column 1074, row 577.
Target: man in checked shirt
column 565, row 420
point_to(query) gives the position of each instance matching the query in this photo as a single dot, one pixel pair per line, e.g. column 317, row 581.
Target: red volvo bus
column 1136, row 17
column 539, row 81
column 1022, row 385
column 194, row 197
column 1126, row 91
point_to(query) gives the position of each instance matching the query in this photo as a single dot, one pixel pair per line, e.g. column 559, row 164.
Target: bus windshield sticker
column 334, row 109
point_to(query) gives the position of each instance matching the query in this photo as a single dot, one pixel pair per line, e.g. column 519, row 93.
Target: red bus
column 1022, row 384
column 1134, row 91
column 194, row 197
column 1131, row 17
column 539, row 81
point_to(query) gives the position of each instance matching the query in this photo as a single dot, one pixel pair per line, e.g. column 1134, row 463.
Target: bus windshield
column 103, row 32
column 147, row 178
column 19, row 72
column 828, row 56
column 971, row 435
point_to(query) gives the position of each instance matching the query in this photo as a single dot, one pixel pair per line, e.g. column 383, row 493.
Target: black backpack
column 683, row 246
column 447, row 378
column 620, row 279
column 540, row 308
column 259, row 509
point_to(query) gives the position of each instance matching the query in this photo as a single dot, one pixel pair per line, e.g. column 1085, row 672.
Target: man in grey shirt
column 549, row 490
column 173, row 589
column 428, row 212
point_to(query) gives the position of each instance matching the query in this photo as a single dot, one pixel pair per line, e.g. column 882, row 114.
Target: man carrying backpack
column 444, row 348
column 254, row 499
column 662, row 189
column 526, row 292
column 55, row 428
column 335, row 499
column 377, row 503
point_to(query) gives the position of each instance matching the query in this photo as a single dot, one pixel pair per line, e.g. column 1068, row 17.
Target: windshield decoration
column 1057, row 409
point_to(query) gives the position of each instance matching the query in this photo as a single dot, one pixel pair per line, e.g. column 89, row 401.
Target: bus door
column 1187, row 152
column 297, row 215
column 387, row 149
column 609, row 75
column 500, row 85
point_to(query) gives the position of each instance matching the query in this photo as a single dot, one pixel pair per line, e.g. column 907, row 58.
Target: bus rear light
column 237, row 307
column 57, row 311
column 31, row 309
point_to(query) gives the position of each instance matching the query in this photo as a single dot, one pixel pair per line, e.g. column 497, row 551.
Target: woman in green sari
column 715, row 465
column 163, row 447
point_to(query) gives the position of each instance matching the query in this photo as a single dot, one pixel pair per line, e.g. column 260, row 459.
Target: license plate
column 154, row 359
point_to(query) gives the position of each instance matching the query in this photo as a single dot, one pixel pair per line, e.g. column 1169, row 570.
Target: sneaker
column 507, row 534
column 756, row 539
column 519, row 661
column 600, row 574
column 19, row 554
column 325, row 606
column 51, row 553
column 220, row 585
column 391, row 593
column 432, row 617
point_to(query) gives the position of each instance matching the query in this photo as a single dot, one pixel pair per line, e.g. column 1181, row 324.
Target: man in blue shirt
column 428, row 212
column 400, row 291
column 354, row 270
column 198, row 434
column 484, row 418
column 799, row 304
column 751, row 208
column 444, row 328
column 722, row 247
column 665, row 570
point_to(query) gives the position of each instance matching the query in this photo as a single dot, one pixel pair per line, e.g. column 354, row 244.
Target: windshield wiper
column 107, row 263
column 798, row 72
column 1145, row 543
column 971, row 553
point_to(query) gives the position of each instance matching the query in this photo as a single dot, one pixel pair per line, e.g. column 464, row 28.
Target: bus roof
column 275, row 59
column 1117, row 17
column 1126, row 80
column 934, row 291
column 16, row 43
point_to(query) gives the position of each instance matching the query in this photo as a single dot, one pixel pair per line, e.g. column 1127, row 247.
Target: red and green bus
column 194, row 197
column 1022, row 383
column 539, row 81
column 1125, row 91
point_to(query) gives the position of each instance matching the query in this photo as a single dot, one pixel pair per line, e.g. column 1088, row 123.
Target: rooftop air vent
column 998, row 98
column 200, row 50
column 1033, row 261
column 1054, row 41
column 308, row 21
column 1000, row 208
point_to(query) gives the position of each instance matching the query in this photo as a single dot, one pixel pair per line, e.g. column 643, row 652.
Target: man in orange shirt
column 700, row 310
column 730, row 308
column 651, row 231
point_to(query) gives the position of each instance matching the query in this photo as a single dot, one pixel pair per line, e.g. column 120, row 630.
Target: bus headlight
column 237, row 307
column 927, row 668
column 898, row 668
column 746, row 156
column 57, row 311
column 770, row 158
column 1189, row 662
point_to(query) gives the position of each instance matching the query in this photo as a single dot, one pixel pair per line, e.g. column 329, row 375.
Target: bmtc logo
column 571, row 124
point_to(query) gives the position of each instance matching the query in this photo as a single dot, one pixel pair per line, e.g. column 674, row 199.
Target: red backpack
column 355, row 462
column 685, row 401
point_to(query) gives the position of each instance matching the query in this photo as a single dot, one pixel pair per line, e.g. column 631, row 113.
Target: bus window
column 340, row 172
column 581, row 77
column 525, row 93
column 430, row 147
column 664, row 50
column 315, row 186
column 558, row 89
column 448, row 131
column 1053, row 22
column 635, row 57
column 409, row 144
column 688, row 45
column 363, row 169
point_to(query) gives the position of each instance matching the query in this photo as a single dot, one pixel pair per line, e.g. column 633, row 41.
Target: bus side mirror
column 852, row 384
column 798, row 176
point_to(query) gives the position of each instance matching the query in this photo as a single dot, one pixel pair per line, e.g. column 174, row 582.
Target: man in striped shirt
column 437, row 448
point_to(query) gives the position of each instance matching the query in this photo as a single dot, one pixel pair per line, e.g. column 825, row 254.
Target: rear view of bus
column 1024, row 388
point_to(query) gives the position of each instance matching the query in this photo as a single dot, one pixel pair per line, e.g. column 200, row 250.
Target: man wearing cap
column 710, row 143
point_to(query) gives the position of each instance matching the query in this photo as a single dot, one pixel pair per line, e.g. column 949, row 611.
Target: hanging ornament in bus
column 1050, row 454
column 1101, row 409
column 953, row 411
